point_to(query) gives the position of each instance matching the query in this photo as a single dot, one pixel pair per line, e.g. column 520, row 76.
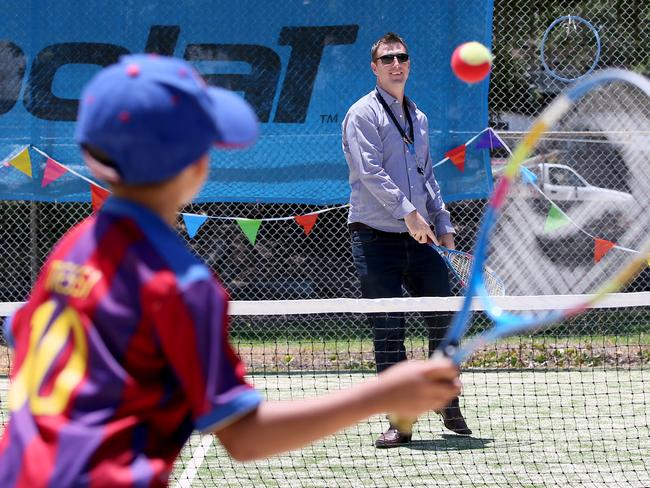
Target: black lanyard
column 408, row 139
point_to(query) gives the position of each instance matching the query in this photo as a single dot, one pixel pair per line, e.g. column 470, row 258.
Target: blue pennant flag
column 527, row 175
column 193, row 223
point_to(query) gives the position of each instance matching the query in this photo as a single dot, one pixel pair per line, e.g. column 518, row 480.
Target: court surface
column 531, row 429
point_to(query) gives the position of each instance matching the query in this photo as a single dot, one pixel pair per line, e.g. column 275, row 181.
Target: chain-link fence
column 285, row 262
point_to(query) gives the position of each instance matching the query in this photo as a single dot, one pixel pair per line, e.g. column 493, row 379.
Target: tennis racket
column 460, row 264
column 570, row 48
column 611, row 110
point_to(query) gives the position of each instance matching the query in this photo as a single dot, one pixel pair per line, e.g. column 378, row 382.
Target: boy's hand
column 414, row 387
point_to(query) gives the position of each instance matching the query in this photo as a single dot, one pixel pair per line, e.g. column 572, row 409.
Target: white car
column 562, row 183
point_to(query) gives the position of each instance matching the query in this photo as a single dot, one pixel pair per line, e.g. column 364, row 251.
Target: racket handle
column 405, row 424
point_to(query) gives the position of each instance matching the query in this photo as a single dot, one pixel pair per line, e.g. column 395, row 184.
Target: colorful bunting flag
column 457, row 156
column 488, row 140
column 53, row 170
column 555, row 219
column 306, row 221
column 602, row 247
column 98, row 196
column 250, row 228
column 22, row 162
column 193, row 223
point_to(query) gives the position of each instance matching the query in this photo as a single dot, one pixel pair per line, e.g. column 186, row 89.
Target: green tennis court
column 532, row 428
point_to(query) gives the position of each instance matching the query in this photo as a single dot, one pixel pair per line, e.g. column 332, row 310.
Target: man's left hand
column 447, row 240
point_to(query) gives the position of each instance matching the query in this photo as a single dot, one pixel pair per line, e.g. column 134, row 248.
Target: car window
column 564, row 177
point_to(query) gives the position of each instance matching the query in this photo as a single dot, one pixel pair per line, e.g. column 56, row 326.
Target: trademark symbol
column 329, row 118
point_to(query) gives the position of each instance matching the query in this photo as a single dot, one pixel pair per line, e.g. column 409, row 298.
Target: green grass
column 536, row 352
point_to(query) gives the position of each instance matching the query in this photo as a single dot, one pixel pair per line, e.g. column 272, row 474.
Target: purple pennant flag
column 488, row 140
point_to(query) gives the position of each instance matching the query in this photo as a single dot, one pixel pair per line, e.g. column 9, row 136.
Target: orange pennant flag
column 306, row 222
column 22, row 162
column 98, row 196
column 457, row 156
column 602, row 247
column 53, row 170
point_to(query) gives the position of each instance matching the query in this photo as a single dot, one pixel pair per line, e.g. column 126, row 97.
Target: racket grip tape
column 403, row 423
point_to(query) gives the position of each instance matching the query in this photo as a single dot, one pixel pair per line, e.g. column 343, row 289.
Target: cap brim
column 235, row 118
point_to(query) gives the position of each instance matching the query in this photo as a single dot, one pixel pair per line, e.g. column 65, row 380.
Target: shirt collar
column 390, row 99
column 151, row 223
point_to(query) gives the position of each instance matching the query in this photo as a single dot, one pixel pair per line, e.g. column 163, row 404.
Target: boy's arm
column 407, row 389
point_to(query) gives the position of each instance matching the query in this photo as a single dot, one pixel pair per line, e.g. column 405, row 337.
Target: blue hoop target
column 572, row 21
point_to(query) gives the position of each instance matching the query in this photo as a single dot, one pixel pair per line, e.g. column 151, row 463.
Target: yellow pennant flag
column 22, row 162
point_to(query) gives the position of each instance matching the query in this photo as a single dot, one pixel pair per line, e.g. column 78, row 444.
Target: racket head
column 602, row 123
column 570, row 48
column 460, row 265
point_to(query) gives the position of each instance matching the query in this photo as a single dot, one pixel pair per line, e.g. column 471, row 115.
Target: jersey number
column 43, row 381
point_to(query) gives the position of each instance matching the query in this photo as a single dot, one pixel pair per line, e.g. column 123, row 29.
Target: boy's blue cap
column 154, row 115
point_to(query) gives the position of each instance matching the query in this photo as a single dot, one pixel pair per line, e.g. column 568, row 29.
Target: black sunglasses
column 388, row 58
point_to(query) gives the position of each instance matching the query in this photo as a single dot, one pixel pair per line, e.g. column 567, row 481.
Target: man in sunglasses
column 395, row 210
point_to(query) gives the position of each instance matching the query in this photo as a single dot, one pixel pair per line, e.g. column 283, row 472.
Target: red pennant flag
column 602, row 247
column 306, row 222
column 53, row 170
column 98, row 196
column 457, row 156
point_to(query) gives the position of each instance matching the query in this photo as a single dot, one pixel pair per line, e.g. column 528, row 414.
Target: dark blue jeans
column 385, row 263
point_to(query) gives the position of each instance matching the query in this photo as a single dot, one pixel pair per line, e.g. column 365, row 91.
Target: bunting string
column 485, row 139
column 556, row 218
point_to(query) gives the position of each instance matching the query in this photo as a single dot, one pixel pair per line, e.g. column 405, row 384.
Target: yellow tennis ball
column 471, row 61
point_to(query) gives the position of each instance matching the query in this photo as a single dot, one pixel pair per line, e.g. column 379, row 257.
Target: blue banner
column 300, row 63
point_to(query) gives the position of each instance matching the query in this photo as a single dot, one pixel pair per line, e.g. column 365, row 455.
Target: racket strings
column 588, row 212
column 462, row 265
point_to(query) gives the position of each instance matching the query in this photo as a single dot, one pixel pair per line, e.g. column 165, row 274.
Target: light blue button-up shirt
column 385, row 178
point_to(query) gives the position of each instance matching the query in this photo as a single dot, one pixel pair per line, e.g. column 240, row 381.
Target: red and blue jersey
column 120, row 353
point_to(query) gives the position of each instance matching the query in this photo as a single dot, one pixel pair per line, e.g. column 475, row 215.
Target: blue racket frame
column 506, row 324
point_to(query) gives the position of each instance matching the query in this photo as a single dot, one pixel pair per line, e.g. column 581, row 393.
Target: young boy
column 122, row 349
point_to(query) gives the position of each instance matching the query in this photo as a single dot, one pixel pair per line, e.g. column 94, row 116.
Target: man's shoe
column 392, row 438
column 453, row 418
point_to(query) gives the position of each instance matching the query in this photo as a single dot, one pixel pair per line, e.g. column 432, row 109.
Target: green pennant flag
column 250, row 228
column 556, row 218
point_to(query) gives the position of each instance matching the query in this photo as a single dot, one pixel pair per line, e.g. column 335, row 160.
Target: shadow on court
column 450, row 443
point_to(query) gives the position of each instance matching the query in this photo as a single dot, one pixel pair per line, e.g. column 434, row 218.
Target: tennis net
column 569, row 406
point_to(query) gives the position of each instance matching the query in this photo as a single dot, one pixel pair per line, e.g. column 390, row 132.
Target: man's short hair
column 388, row 38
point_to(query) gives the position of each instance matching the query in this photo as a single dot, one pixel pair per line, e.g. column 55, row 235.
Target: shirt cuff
column 443, row 225
column 232, row 411
column 403, row 209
